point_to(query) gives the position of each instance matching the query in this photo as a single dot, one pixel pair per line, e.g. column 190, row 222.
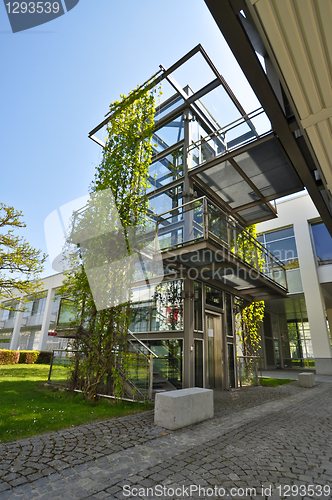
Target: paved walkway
column 293, row 375
column 270, row 437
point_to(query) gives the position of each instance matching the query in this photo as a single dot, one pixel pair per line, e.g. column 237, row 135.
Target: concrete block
column 176, row 409
column 306, row 379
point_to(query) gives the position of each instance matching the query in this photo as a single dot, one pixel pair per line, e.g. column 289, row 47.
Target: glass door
column 213, row 337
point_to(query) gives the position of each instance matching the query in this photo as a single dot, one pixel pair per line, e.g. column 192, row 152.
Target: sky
column 57, row 83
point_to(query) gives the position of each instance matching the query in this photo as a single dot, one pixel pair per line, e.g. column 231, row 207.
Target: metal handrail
column 142, row 343
column 226, row 128
column 230, row 220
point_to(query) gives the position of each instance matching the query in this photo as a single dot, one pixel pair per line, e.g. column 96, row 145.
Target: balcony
column 200, row 239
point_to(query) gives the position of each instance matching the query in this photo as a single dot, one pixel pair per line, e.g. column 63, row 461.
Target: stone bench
column 176, row 409
column 306, row 379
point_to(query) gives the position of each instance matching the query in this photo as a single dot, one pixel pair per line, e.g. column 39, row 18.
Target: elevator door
column 214, row 375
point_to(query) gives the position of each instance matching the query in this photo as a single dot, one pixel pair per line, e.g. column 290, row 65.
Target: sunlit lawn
column 27, row 407
column 274, row 382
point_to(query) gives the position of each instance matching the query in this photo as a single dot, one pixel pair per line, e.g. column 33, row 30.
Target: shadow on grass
column 29, row 408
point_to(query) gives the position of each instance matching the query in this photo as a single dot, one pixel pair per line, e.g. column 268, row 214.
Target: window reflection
column 323, row 243
column 158, row 308
column 282, row 244
column 165, row 170
column 168, row 135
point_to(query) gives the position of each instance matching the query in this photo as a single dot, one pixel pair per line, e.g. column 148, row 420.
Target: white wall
column 297, row 212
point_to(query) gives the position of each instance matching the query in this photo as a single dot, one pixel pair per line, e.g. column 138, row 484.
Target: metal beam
column 236, row 37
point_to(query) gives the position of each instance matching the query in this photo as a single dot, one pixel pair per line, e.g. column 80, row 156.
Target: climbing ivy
column 100, row 333
column 250, row 318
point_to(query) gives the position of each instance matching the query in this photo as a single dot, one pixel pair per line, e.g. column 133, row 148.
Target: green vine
column 101, row 334
column 251, row 317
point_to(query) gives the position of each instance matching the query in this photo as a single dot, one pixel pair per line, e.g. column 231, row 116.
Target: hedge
column 29, row 357
column 8, row 357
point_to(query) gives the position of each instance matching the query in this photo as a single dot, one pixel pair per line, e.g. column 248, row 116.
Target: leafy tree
column 124, row 170
column 20, row 263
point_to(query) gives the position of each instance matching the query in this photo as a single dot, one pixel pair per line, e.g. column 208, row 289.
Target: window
column 169, row 134
column 213, row 297
column 198, row 304
column 158, row 308
column 282, row 244
column 323, row 243
column 166, row 169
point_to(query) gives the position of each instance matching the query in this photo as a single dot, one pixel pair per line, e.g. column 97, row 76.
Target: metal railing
column 227, row 138
column 200, row 220
column 150, row 360
column 64, row 355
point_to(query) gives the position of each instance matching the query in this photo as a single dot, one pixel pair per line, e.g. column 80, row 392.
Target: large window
column 169, row 134
column 166, row 169
column 282, row 244
column 323, row 243
column 158, row 308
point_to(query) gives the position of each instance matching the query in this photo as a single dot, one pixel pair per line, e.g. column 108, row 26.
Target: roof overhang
column 295, row 40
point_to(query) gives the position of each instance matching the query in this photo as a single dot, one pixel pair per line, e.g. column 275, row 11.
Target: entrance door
column 214, row 375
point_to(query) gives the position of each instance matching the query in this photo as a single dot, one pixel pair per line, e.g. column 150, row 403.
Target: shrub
column 8, row 357
column 29, row 357
column 44, row 357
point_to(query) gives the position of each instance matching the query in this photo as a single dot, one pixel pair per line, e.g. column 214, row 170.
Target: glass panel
column 210, row 346
column 220, row 107
column 218, row 224
column 181, row 226
column 158, row 308
column 195, row 72
column 167, row 200
column 281, row 233
column 198, row 363
column 198, row 304
column 323, row 244
column 168, row 365
column 137, row 366
column 213, row 297
column 261, row 123
column 67, row 314
column 165, row 108
column 11, row 314
column 229, row 315
column 168, row 135
column 167, row 169
column 231, row 368
column 285, row 250
column 167, row 92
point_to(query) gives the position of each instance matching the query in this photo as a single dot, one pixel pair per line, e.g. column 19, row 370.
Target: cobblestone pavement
column 275, row 437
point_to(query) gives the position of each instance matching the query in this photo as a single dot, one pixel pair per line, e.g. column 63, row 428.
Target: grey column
column 188, row 347
column 46, row 320
column 320, row 339
column 16, row 330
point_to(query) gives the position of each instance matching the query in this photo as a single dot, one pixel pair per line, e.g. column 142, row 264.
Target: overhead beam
column 225, row 14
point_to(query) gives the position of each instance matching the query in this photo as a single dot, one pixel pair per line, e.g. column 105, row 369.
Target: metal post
column 150, row 378
column 156, row 241
column 256, row 371
column 51, row 364
column 205, row 219
column 240, row 373
column 235, row 240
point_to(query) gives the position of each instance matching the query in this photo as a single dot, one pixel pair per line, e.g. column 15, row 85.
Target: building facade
column 33, row 328
column 296, row 330
column 216, row 169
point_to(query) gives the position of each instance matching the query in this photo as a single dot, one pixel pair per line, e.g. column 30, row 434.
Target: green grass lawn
column 27, row 407
column 274, row 382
